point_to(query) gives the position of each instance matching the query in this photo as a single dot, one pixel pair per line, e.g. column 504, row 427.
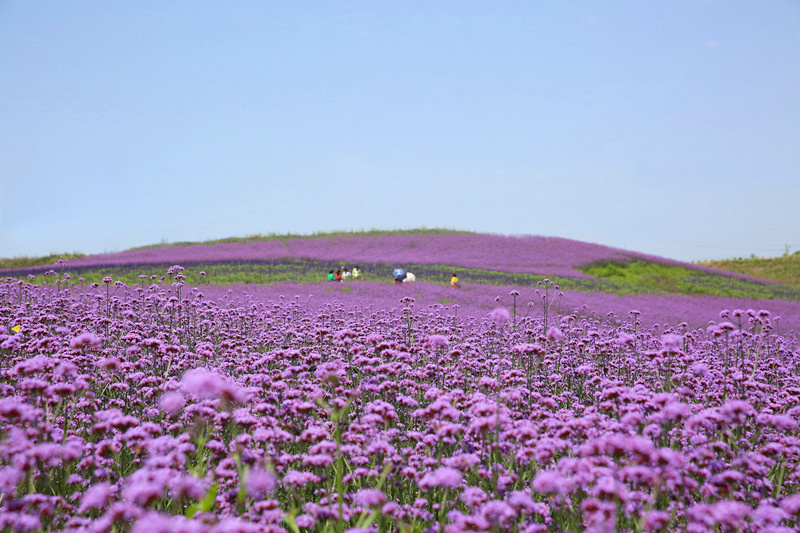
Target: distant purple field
column 548, row 256
column 478, row 300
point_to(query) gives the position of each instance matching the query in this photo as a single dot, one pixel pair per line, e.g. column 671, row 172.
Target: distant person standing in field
column 454, row 281
column 399, row 275
column 356, row 272
column 330, row 275
column 338, row 276
column 345, row 274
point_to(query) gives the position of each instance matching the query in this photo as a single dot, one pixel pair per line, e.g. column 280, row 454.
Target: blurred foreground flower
column 204, row 384
column 500, row 316
column 443, row 476
column 85, row 340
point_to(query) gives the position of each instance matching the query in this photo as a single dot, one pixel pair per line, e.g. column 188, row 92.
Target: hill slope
column 596, row 281
column 432, row 254
column 784, row 269
column 531, row 254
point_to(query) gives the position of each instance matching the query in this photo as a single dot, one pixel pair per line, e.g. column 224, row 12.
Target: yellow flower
column 16, row 328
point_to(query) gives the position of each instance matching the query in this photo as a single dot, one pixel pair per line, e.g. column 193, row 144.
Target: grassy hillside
column 648, row 277
column 433, row 255
column 784, row 269
column 25, row 262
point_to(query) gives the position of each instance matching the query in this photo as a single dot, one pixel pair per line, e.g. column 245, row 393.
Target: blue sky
column 670, row 128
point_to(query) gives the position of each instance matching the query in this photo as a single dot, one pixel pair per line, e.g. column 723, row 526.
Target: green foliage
column 785, row 269
column 637, row 277
column 206, row 504
column 24, row 262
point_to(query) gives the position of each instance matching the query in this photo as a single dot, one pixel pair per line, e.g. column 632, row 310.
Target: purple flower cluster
column 161, row 409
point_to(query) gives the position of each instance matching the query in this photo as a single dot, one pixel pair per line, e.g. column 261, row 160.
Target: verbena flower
column 500, row 316
column 204, row 384
column 443, row 476
column 554, row 334
column 96, row 497
column 370, row 497
column 438, row 341
column 85, row 340
column 172, row 402
column 259, row 482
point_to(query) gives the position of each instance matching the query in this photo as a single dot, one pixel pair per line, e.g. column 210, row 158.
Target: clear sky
column 665, row 127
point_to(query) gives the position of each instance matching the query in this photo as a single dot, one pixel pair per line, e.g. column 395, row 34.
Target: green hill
column 25, row 262
column 784, row 269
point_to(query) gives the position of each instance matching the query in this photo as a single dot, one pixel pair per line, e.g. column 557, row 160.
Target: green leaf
column 289, row 519
column 206, row 504
column 367, row 520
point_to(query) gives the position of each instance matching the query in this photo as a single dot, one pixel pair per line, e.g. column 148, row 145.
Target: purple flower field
column 477, row 300
column 549, row 256
column 150, row 408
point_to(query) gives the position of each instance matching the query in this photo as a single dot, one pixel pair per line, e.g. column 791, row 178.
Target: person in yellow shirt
column 454, row 281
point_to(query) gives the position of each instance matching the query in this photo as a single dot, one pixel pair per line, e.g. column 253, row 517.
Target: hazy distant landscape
column 605, row 280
